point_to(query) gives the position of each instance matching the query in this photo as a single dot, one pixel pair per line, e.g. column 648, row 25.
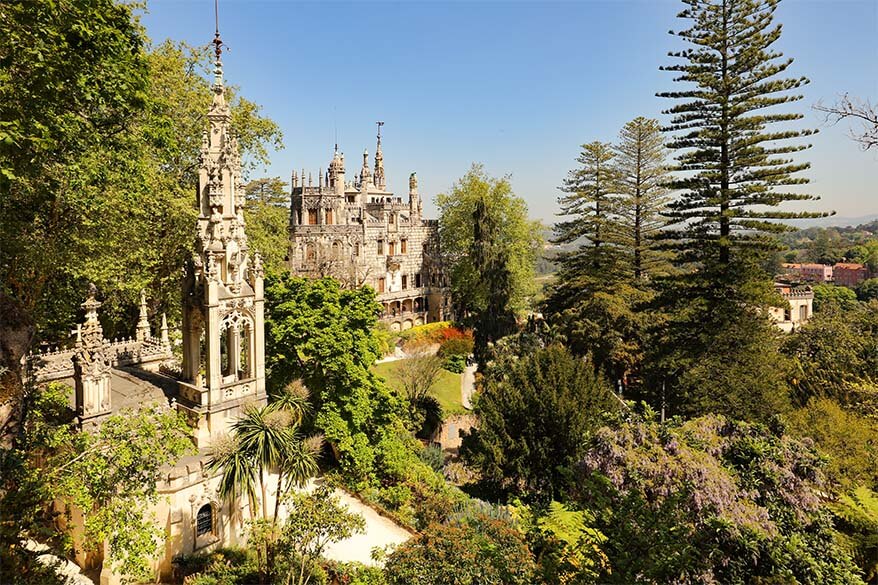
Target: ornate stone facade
column 360, row 233
column 223, row 305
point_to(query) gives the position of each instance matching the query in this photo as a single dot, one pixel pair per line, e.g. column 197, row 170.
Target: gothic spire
column 379, row 161
column 365, row 173
column 218, row 89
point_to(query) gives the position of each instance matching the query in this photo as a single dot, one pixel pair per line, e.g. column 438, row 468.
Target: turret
column 365, row 173
column 414, row 197
column 336, row 173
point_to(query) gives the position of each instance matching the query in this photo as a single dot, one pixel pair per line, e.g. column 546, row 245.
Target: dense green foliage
column 830, row 294
column 850, row 440
column 857, row 517
column 567, row 547
column 711, row 500
column 489, row 247
column 268, row 217
column 99, row 143
column 109, row 475
column 315, row 520
column 535, row 412
column 836, row 355
column 730, row 365
column 323, row 334
column 833, row 244
column 473, row 551
column 613, row 203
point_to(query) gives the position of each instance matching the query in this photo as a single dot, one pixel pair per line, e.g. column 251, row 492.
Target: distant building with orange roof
column 849, row 274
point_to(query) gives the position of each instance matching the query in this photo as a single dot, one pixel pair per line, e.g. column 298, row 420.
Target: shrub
column 456, row 346
column 224, row 566
column 455, row 364
column 479, row 550
column 354, row 574
column 433, row 456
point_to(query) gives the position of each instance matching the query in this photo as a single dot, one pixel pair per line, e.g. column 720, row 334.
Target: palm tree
column 265, row 436
column 239, row 472
column 294, row 398
column 266, row 440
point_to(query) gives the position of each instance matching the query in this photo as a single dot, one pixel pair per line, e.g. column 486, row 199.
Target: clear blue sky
column 515, row 85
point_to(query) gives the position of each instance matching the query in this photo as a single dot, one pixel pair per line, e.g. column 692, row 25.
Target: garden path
column 380, row 532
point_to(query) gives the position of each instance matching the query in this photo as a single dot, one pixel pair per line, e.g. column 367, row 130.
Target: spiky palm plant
column 238, row 471
column 265, row 436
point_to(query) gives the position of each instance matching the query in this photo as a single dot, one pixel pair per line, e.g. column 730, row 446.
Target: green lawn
column 446, row 389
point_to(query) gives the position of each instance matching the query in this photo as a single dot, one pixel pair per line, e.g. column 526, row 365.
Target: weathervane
column 217, row 41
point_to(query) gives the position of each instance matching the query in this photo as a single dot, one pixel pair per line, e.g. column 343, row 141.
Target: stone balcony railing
column 798, row 294
column 409, row 293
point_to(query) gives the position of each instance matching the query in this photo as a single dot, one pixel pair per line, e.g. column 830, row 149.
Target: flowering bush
column 711, row 500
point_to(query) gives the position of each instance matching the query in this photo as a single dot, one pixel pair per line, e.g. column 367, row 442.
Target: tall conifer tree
column 643, row 172
column 593, row 301
column 737, row 143
column 590, row 202
column 735, row 170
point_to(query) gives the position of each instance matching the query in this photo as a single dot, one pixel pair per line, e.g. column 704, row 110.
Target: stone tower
column 223, row 305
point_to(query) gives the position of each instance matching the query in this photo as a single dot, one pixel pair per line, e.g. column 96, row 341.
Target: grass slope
column 446, row 389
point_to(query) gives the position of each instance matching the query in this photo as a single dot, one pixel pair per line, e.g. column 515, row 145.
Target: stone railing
column 57, row 364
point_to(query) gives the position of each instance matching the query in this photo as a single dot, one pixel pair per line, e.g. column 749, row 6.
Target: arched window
column 204, row 520
column 336, row 250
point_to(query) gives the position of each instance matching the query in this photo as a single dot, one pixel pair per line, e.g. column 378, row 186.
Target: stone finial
column 143, row 322
column 164, row 332
column 413, row 184
column 92, row 332
column 365, row 173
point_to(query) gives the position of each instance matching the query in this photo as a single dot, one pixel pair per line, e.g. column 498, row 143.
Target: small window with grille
column 204, row 520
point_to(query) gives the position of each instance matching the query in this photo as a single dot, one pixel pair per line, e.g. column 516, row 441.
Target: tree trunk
column 16, row 335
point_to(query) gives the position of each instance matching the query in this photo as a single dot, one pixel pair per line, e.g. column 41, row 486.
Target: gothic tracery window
column 204, row 520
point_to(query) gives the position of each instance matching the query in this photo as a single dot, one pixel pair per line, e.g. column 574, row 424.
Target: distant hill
column 835, row 221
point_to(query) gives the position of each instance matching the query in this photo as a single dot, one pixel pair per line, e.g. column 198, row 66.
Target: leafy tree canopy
column 110, row 475
column 515, row 239
column 473, row 551
column 323, row 334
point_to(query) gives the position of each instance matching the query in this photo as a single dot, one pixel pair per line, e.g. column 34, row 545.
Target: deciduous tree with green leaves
column 102, row 151
column 489, row 247
column 323, row 334
column 268, row 217
column 315, row 520
column 109, row 475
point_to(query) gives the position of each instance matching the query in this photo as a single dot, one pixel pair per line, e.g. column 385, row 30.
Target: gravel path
column 467, row 386
column 380, row 532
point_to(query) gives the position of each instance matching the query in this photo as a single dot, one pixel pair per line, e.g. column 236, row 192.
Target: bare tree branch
column 854, row 109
